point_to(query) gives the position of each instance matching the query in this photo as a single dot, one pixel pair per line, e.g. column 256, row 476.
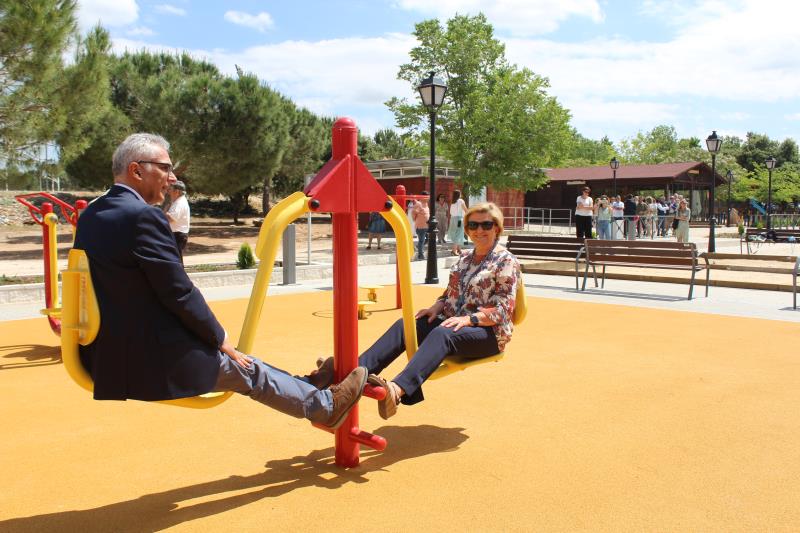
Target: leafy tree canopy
column 498, row 125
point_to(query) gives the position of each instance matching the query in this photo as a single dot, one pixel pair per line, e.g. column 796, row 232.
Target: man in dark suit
column 158, row 339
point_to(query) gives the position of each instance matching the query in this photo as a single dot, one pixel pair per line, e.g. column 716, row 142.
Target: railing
column 540, row 219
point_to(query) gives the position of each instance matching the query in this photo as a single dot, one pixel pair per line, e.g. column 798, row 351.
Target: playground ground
column 629, row 409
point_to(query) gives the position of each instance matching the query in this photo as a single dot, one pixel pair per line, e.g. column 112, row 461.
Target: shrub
column 760, row 224
column 245, row 259
column 741, row 228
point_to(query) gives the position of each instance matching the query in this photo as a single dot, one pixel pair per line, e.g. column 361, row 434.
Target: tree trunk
column 265, row 197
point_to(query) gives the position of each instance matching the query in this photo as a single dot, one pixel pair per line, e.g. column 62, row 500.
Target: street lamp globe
column 432, row 91
column 713, row 143
column 771, row 162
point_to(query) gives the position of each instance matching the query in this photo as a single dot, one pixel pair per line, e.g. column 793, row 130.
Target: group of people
column 181, row 350
column 448, row 215
column 633, row 218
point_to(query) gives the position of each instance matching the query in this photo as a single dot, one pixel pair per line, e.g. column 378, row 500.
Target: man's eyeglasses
column 166, row 168
column 486, row 225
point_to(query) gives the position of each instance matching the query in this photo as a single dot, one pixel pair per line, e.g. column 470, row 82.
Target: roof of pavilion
column 662, row 171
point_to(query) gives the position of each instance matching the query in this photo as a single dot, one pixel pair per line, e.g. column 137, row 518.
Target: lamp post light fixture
column 713, row 143
column 729, row 175
column 432, row 91
column 614, row 164
column 771, row 162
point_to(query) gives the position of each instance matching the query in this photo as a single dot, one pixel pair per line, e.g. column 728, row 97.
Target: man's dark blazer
column 158, row 339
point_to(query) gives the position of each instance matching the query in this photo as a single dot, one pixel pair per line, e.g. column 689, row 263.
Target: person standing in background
column 618, row 213
column 178, row 215
column 421, row 213
column 455, row 231
column 584, row 209
column 442, row 214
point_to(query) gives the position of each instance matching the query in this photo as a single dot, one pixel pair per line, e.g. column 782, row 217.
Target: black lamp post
column 432, row 91
column 770, row 165
column 713, row 143
column 729, row 175
column 614, row 164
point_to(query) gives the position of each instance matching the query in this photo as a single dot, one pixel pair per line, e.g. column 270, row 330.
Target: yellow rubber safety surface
column 599, row 418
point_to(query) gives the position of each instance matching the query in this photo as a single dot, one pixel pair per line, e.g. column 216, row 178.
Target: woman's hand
column 432, row 312
column 456, row 322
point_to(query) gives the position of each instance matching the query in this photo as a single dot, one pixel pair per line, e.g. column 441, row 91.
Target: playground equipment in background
column 48, row 220
column 758, row 206
column 343, row 187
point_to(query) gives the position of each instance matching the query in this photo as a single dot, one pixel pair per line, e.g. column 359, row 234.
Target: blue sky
column 619, row 67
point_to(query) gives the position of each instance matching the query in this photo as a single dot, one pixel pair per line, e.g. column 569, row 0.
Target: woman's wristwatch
column 473, row 320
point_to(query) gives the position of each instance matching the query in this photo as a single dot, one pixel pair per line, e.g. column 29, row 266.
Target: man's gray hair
column 136, row 147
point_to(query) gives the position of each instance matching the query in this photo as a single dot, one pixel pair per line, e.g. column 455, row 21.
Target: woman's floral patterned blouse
column 493, row 290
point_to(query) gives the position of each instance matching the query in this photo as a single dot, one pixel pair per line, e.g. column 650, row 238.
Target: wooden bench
column 643, row 254
column 754, row 237
column 547, row 247
column 795, row 260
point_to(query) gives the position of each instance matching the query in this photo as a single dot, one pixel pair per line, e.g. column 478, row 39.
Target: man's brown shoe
column 345, row 395
column 322, row 377
column 388, row 406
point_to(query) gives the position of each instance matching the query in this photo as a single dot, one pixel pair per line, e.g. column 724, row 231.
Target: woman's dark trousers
column 435, row 343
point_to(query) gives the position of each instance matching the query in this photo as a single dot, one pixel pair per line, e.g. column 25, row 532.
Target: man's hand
column 228, row 349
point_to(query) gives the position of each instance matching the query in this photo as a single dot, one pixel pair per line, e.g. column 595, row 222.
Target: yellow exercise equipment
column 80, row 322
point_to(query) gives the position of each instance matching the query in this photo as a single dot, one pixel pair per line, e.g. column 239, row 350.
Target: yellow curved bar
column 51, row 221
column 269, row 237
column 398, row 220
column 80, row 322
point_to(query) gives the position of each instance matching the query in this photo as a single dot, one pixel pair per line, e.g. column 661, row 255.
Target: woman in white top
column 584, row 208
column 455, row 232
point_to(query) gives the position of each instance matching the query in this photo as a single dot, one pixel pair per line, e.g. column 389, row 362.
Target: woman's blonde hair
column 486, row 207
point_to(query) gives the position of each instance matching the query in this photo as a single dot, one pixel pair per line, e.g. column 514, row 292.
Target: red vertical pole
column 345, row 289
column 400, row 198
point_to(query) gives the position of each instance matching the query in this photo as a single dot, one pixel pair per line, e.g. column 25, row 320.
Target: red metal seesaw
column 344, row 187
column 47, row 219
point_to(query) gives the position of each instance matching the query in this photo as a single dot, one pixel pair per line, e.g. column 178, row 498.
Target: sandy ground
column 600, row 418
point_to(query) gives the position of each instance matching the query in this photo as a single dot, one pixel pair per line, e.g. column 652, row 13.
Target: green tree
column 309, row 142
column 92, row 168
column 33, row 37
column 755, row 150
column 584, row 152
column 498, row 126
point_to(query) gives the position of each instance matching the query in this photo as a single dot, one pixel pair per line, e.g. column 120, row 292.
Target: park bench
column 642, row 254
column 752, row 238
column 546, row 247
column 740, row 263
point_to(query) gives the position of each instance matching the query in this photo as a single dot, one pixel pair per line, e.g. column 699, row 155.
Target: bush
column 245, row 259
column 760, row 224
column 741, row 228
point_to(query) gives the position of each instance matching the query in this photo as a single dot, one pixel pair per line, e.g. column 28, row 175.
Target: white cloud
column 169, row 9
column 792, row 116
column 735, row 115
column 338, row 77
column 261, row 22
column 140, row 31
column 117, row 13
column 519, row 17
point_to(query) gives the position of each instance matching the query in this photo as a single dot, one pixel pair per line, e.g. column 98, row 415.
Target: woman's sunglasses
column 486, row 224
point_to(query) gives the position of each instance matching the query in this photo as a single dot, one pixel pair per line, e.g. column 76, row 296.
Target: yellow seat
column 362, row 308
column 372, row 295
column 457, row 363
column 81, row 321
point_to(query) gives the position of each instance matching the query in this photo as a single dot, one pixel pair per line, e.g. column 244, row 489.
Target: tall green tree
column 585, row 152
column 309, row 141
column 33, row 38
column 498, row 125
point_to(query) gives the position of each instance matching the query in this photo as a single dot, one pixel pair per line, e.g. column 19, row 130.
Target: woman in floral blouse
column 472, row 318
